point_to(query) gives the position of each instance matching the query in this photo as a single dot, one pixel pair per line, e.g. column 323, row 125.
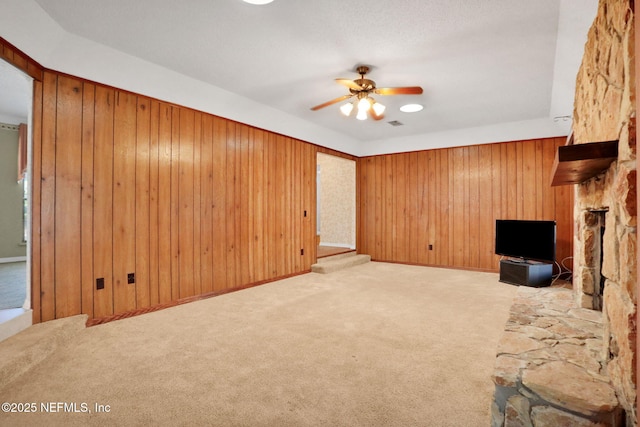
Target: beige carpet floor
column 373, row 345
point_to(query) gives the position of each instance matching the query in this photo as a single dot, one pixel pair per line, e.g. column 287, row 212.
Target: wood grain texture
column 102, row 201
column 68, row 197
column 36, row 200
column 86, row 208
column 20, row 60
column 124, row 201
column 190, row 203
column 48, row 198
column 448, row 199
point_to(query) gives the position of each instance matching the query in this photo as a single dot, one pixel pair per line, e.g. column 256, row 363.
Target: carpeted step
column 339, row 262
column 335, row 257
column 28, row 348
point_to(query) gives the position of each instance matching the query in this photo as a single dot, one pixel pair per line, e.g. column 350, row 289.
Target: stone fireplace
column 604, row 110
column 568, row 356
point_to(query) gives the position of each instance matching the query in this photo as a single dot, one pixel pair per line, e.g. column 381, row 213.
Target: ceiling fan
column 362, row 88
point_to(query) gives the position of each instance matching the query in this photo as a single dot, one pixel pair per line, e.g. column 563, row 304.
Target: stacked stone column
column 604, row 110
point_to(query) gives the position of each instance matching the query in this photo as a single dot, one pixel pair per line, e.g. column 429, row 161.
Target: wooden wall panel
column 197, row 205
column 186, row 204
column 124, row 201
column 174, row 224
column 190, row 203
column 14, row 56
column 450, row 198
column 67, row 214
column 164, row 229
column 219, row 205
column 36, row 200
column 142, row 203
column 154, row 208
column 86, row 226
column 47, row 199
column 207, row 205
column 102, row 201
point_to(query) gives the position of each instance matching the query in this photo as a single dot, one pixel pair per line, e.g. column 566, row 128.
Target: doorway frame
column 21, row 318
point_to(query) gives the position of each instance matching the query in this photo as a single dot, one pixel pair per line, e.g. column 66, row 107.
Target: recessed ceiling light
column 411, row 108
column 259, row 2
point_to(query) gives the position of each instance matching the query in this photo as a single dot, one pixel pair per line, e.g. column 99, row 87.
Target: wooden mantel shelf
column 579, row 162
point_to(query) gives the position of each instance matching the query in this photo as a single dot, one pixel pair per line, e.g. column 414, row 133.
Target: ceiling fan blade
column 333, row 101
column 349, row 83
column 409, row 90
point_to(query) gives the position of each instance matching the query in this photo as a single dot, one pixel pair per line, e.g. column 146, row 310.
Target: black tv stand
column 526, row 273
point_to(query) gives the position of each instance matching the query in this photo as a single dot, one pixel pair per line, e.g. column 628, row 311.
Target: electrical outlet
column 100, row 283
column 131, row 278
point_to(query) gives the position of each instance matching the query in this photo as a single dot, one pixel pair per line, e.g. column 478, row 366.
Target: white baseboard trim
column 13, row 259
column 338, row 245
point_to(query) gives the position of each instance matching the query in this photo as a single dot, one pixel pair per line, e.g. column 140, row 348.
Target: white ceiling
column 481, row 63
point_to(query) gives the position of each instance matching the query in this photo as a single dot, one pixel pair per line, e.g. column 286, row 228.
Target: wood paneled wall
column 191, row 203
column 450, row 198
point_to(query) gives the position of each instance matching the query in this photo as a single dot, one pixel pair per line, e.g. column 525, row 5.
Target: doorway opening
column 336, row 204
column 15, row 158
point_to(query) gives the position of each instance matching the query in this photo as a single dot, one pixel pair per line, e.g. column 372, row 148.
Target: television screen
column 526, row 239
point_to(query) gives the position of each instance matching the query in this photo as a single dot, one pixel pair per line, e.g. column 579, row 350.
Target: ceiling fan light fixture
column 347, row 108
column 378, row 108
column 363, row 105
column 411, row 108
column 361, row 89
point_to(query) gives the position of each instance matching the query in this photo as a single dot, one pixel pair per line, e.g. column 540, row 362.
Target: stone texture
column 590, row 194
column 545, row 322
column 586, row 328
column 530, row 331
column 628, row 133
column 568, row 331
column 587, row 279
column 585, row 300
column 610, row 261
column 566, row 385
column 516, row 413
column 604, row 109
column 547, row 416
column 587, row 256
column 628, row 263
column 620, row 321
column 624, row 191
column 497, row 417
column 563, row 370
column 516, row 343
column 589, row 219
column 578, row 355
column 590, row 315
column 507, row 369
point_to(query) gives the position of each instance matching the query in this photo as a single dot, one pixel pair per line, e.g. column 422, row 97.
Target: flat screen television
column 529, row 240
